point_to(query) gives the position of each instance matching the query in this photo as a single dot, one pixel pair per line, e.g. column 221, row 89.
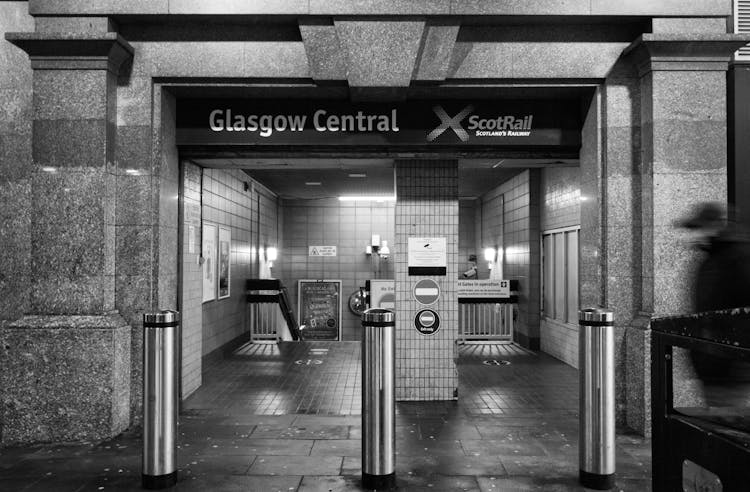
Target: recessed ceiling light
column 357, row 175
column 312, row 183
column 376, row 198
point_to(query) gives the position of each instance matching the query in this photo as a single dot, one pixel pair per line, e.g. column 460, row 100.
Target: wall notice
column 427, row 256
column 483, row 289
column 319, row 308
column 322, row 250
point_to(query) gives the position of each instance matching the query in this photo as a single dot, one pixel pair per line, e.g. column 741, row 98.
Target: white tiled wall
column 427, row 206
column 561, row 207
column 510, row 219
column 561, row 197
column 466, row 234
column 226, row 203
column 191, row 294
column 219, row 197
column 347, row 225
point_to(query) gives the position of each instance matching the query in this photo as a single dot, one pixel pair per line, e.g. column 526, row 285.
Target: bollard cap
column 378, row 316
column 596, row 316
column 161, row 317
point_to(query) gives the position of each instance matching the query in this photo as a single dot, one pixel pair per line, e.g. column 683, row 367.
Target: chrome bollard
column 378, row 399
column 596, row 366
column 160, row 400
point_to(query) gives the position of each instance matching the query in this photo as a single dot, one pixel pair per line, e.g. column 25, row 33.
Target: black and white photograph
column 375, row 245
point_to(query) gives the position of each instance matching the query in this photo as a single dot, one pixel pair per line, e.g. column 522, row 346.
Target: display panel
column 319, row 308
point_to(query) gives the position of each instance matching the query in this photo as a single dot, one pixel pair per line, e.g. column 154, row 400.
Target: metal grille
column 264, row 320
column 485, row 321
column 742, row 26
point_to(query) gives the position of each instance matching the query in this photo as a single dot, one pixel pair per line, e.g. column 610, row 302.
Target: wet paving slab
column 485, row 441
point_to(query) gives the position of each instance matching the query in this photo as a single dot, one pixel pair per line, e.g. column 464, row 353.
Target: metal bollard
column 596, row 366
column 160, row 400
column 378, row 399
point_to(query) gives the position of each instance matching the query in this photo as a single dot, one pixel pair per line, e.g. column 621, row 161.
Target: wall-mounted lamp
column 490, row 255
column 271, row 255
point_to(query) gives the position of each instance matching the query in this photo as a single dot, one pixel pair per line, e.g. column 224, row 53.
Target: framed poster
column 319, row 308
column 208, row 254
column 224, row 261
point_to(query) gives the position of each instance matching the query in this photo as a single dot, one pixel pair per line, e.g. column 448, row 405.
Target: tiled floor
column 263, row 422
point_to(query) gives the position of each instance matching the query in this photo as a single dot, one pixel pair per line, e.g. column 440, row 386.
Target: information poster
column 225, row 242
column 208, row 254
column 427, row 256
column 319, row 307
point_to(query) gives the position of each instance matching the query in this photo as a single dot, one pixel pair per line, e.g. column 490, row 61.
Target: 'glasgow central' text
column 223, row 120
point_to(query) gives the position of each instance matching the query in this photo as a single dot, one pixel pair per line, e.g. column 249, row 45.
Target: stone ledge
column 684, row 51
column 41, row 322
column 62, row 50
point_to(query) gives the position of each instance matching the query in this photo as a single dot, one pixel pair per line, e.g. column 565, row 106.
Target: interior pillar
column 426, row 207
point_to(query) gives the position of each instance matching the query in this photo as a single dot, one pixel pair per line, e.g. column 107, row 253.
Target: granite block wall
column 347, row 225
column 15, row 164
column 427, row 206
column 510, row 220
column 679, row 171
column 560, row 208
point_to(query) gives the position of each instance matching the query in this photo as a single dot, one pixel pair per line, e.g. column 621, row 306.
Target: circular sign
column 427, row 322
column 426, row 292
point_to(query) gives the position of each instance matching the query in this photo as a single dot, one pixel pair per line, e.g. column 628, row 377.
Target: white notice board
column 427, row 256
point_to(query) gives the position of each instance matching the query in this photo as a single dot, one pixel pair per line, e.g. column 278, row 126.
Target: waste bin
column 596, row 366
column 378, row 399
column 160, row 399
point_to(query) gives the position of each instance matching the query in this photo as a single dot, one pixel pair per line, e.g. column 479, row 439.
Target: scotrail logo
column 499, row 126
column 448, row 122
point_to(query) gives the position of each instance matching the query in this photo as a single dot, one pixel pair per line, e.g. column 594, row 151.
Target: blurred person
column 723, row 277
column 722, row 280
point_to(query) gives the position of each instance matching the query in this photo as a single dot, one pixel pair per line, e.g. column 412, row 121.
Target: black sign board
column 424, row 124
column 319, row 307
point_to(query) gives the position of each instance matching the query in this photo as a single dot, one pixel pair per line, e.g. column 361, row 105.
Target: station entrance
column 297, row 213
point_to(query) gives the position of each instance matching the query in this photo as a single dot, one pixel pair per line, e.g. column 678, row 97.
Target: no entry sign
column 426, row 292
column 427, row 322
